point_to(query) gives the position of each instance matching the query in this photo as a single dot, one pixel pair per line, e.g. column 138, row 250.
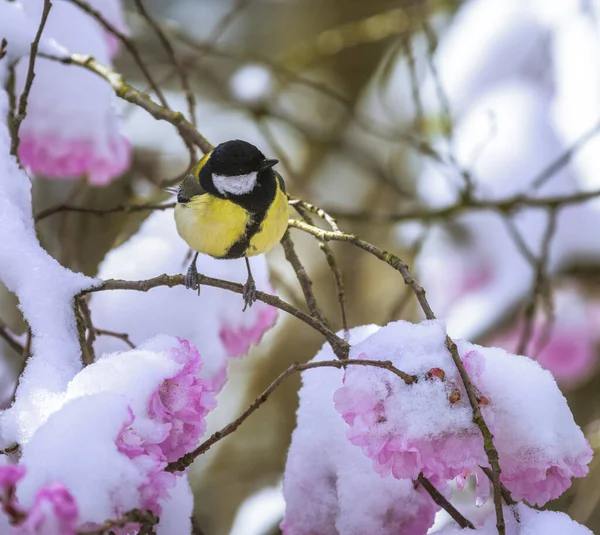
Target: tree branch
column 395, row 262
column 188, row 459
column 22, row 109
column 139, row 98
column 340, row 347
column 507, row 206
column 128, row 43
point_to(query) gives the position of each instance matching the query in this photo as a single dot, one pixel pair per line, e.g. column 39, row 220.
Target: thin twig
column 340, row 347
column 303, row 278
column 220, row 29
column 396, row 263
column 43, row 214
column 506, row 206
column 541, row 286
column 135, row 516
column 128, row 43
column 505, row 492
column 560, row 162
column 11, row 340
column 333, row 267
column 132, row 95
column 121, row 336
column 91, row 336
column 33, row 52
column 441, row 500
column 188, row 459
column 179, row 67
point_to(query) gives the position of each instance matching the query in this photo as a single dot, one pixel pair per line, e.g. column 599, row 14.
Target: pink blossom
column 150, row 460
column 10, row 474
column 72, row 129
column 238, row 339
column 568, row 350
column 379, row 414
column 539, row 480
column 54, row 512
column 57, row 156
column 181, row 403
column 329, row 486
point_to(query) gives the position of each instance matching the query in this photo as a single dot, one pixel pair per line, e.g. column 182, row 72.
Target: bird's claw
column 191, row 278
column 249, row 293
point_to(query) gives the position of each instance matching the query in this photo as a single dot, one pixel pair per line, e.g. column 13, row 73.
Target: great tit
column 232, row 205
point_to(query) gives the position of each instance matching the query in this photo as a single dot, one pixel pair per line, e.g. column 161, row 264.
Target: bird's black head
column 236, row 168
column 236, row 158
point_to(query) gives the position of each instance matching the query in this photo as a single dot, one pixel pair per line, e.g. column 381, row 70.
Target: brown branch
column 220, row 29
column 10, row 339
column 396, row 263
column 441, row 500
column 121, row 336
column 179, row 67
column 333, row 267
column 43, row 214
column 555, row 166
column 303, row 278
column 86, row 357
column 340, row 347
column 146, row 518
column 91, row 332
column 541, row 286
column 188, row 459
column 128, row 43
column 506, row 206
column 33, row 52
column 505, row 492
column 132, row 95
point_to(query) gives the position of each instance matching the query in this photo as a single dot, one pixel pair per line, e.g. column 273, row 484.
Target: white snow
column 175, row 518
column 532, row 522
column 45, row 291
column 77, row 446
column 330, row 487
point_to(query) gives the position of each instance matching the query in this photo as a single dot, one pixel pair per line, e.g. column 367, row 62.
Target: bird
column 232, row 205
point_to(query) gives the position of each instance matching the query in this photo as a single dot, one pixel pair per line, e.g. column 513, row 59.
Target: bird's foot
column 249, row 292
column 191, row 278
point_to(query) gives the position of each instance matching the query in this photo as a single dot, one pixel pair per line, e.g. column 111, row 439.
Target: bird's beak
column 267, row 164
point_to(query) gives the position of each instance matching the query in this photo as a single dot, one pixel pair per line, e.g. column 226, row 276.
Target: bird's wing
column 281, row 182
column 190, row 187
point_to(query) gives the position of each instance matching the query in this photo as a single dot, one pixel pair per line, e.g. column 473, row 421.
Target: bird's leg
column 191, row 277
column 249, row 290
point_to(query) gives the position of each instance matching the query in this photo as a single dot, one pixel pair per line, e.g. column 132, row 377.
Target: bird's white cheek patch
column 235, row 185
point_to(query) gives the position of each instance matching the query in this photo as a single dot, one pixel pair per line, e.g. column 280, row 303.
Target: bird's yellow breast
column 273, row 226
column 211, row 225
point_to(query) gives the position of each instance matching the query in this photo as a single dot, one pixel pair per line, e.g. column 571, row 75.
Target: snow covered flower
column 409, row 429
column 123, row 419
column 54, row 512
column 341, row 493
column 427, row 426
column 169, row 401
column 522, row 520
column 213, row 322
column 71, row 128
column 182, row 402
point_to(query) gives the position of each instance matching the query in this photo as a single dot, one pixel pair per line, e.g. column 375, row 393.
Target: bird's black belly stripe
column 239, row 248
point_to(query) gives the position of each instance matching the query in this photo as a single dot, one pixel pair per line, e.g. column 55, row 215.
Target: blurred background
column 456, row 134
